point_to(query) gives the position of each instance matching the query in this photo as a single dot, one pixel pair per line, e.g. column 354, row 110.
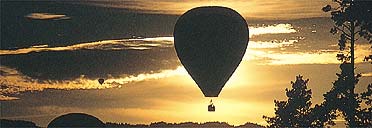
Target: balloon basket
column 211, row 107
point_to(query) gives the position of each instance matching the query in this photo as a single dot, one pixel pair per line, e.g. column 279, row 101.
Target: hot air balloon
column 101, row 80
column 210, row 43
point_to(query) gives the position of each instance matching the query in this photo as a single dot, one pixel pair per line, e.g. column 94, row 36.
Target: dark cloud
column 93, row 64
column 87, row 24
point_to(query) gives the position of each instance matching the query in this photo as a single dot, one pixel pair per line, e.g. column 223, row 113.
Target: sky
column 262, row 9
column 53, row 53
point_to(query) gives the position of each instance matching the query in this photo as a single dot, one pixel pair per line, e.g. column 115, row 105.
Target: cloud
column 271, row 44
column 142, row 43
column 5, row 98
column 14, row 82
column 265, row 57
column 47, row 16
column 315, row 56
column 123, row 44
column 368, row 74
column 89, row 65
column 271, row 29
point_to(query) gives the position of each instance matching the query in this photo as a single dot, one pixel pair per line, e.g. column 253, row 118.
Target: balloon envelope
column 210, row 42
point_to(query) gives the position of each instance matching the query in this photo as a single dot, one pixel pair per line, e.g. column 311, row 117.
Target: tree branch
column 345, row 25
column 339, row 2
column 357, row 32
column 346, row 34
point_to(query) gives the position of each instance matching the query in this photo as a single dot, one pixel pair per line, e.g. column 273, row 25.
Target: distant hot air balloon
column 100, row 81
column 210, row 43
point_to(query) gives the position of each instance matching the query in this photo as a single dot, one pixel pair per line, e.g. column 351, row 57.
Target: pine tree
column 296, row 111
column 341, row 96
column 364, row 115
column 351, row 18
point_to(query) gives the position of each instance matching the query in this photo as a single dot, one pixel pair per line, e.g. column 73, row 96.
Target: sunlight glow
column 263, row 9
column 282, row 58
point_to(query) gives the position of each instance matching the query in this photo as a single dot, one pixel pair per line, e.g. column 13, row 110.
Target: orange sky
column 262, row 9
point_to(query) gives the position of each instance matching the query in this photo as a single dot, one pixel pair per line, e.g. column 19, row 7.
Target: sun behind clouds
column 262, row 9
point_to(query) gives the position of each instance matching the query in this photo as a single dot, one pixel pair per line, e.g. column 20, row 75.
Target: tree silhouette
column 351, row 18
column 364, row 114
column 163, row 124
column 296, row 111
column 5, row 123
column 341, row 97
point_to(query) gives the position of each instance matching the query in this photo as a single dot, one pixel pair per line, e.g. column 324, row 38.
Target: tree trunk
column 352, row 119
column 352, row 41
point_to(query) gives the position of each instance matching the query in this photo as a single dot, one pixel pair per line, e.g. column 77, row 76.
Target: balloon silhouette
column 100, row 81
column 210, row 43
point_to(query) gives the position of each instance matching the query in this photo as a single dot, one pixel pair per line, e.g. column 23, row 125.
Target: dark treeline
column 186, row 124
column 4, row 123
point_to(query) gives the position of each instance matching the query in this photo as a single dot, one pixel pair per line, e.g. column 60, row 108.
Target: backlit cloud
column 47, row 16
column 271, row 44
column 124, row 44
column 142, row 43
column 271, row 29
column 368, row 74
column 254, row 52
column 14, row 82
column 265, row 57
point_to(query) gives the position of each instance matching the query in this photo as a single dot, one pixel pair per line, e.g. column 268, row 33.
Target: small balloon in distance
column 101, row 80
